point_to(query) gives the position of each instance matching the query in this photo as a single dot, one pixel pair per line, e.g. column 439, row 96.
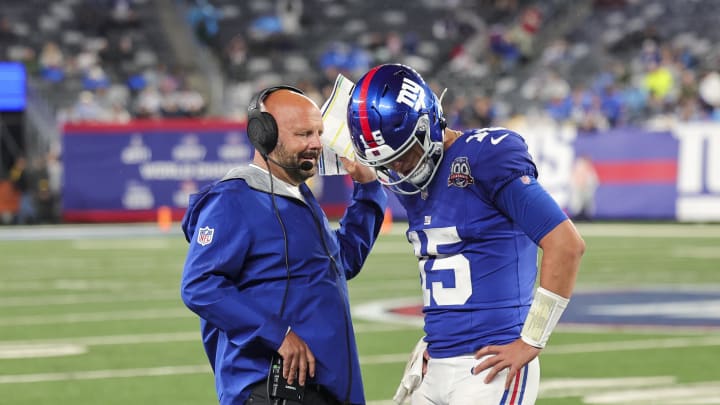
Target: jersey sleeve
column 211, row 266
column 501, row 157
column 360, row 226
column 530, row 206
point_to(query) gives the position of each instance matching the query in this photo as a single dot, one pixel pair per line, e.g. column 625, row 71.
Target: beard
column 292, row 163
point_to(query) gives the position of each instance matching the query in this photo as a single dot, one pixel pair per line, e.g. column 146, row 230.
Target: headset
column 262, row 128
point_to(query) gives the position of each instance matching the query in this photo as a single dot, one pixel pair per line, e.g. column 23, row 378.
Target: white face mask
column 419, row 177
column 382, row 157
column 422, row 171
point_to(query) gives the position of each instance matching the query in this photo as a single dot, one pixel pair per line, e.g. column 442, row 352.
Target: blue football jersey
column 477, row 266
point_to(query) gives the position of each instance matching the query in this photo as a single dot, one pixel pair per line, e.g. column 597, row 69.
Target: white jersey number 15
column 455, row 263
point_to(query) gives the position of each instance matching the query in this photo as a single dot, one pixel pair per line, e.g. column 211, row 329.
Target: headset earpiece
column 262, row 128
column 262, row 131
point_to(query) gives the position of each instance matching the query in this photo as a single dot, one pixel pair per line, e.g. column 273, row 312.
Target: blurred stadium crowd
column 598, row 64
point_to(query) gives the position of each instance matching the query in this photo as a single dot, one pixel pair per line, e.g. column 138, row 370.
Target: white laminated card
column 336, row 136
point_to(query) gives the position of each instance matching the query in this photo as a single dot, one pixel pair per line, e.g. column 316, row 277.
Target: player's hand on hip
column 358, row 171
column 298, row 359
column 513, row 356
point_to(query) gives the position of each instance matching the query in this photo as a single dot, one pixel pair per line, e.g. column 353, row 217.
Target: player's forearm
column 559, row 275
column 562, row 250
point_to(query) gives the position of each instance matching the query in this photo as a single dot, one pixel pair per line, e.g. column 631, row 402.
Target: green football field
column 92, row 315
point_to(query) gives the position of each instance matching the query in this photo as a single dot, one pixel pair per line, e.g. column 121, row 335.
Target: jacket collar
column 259, row 179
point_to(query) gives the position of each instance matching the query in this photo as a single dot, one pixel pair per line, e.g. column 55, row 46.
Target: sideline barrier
column 125, row 173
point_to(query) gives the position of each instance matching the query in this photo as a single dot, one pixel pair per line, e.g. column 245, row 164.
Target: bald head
column 287, row 107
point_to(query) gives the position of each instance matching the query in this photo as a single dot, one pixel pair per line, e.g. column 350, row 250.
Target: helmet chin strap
column 426, row 169
column 422, row 174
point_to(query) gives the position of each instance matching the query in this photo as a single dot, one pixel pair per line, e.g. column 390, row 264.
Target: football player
column 476, row 216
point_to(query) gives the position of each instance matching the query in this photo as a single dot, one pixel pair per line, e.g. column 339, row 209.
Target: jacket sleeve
column 360, row 225
column 207, row 286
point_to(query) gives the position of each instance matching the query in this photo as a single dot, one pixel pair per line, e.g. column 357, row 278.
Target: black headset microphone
column 305, row 165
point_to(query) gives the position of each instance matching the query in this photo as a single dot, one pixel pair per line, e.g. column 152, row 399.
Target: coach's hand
column 513, row 356
column 298, row 360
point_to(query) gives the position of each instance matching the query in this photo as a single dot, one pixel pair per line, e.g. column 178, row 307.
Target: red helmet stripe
column 364, row 119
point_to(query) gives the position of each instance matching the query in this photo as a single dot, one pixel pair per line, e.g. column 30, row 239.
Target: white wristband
column 544, row 314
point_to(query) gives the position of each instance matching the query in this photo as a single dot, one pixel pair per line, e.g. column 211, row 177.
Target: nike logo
column 497, row 140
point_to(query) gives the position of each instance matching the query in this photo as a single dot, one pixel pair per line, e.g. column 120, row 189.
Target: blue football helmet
column 391, row 110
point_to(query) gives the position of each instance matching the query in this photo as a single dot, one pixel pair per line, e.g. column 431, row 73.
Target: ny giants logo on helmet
column 411, row 94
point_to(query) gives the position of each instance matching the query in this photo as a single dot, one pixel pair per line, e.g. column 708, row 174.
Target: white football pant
column 449, row 381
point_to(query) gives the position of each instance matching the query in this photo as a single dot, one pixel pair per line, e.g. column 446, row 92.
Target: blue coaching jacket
column 235, row 277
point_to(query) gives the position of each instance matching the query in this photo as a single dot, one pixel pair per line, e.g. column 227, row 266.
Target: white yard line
column 95, row 231
column 549, row 387
column 110, row 339
column 696, row 252
column 706, row 393
column 677, row 230
column 637, row 230
column 102, row 374
column 595, row 391
column 72, row 299
column 392, row 358
column 157, row 337
column 130, row 244
column 26, row 351
column 69, row 232
column 141, row 314
column 79, row 285
column 559, row 387
column 645, row 344
column 624, row 345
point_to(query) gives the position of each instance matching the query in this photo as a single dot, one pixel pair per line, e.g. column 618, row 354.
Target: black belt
column 314, row 394
column 323, row 392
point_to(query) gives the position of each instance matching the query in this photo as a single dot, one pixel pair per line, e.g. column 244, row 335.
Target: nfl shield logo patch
column 205, row 235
